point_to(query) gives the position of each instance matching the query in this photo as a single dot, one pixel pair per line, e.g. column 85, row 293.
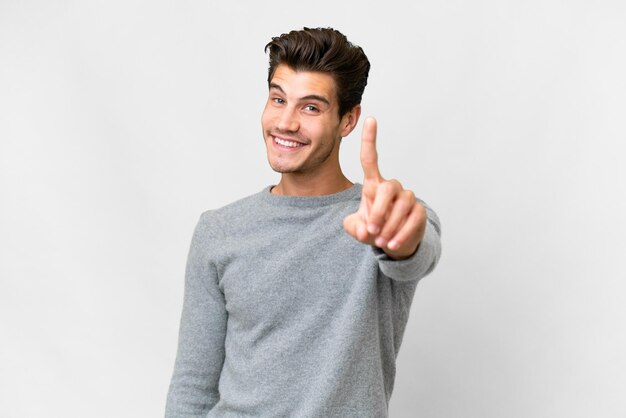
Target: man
column 296, row 298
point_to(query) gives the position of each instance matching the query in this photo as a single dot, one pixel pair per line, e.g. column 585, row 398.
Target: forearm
column 194, row 386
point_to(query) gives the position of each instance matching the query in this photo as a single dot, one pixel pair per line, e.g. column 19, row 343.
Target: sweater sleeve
column 425, row 258
column 193, row 389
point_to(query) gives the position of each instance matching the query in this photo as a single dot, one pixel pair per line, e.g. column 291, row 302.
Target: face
column 301, row 123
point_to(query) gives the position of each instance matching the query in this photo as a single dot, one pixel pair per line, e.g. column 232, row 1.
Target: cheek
column 325, row 133
column 266, row 116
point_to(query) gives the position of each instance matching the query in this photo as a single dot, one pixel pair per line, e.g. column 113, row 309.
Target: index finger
column 369, row 155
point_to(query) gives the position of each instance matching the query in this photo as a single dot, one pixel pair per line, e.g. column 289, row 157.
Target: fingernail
column 380, row 242
column 392, row 245
column 373, row 229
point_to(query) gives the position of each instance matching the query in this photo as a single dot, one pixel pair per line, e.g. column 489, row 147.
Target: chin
column 283, row 165
column 282, row 169
column 278, row 167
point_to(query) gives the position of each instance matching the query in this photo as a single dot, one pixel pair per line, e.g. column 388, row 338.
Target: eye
column 278, row 100
column 311, row 108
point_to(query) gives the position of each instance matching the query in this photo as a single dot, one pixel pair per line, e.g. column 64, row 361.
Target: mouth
column 286, row 143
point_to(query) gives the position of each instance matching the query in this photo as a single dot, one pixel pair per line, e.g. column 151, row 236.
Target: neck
column 301, row 184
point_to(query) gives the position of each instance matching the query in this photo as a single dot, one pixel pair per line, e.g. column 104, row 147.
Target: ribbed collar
column 351, row 193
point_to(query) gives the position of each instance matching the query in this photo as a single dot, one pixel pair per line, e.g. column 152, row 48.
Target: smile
column 287, row 143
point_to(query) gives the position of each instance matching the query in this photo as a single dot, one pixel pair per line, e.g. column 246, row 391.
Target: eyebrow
column 307, row 97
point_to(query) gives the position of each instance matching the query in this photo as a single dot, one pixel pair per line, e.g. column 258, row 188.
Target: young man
column 296, row 298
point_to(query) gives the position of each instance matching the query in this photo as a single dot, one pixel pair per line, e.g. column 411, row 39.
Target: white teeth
column 285, row 143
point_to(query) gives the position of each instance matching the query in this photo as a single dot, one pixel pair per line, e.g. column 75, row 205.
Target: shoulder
column 214, row 220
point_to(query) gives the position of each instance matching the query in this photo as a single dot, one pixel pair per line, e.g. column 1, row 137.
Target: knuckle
column 395, row 184
column 419, row 217
column 415, row 216
column 420, row 210
column 403, row 206
column 387, row 186
column 404, row 203
column 369, row 160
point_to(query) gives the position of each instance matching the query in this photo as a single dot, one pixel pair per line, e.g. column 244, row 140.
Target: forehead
column 304, row 83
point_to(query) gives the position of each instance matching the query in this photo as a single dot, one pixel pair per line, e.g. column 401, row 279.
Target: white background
column 121, row 121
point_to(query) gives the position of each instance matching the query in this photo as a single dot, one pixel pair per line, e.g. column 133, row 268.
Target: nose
column 289, row 120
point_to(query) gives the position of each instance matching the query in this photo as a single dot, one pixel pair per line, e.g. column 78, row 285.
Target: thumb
column 356, row 226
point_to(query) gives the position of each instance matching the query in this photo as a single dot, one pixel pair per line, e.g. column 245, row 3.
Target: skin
column 302, row 108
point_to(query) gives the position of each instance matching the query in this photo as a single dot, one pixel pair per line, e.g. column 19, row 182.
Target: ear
column 349, row 120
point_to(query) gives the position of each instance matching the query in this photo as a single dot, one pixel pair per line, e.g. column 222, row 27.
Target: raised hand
column 389, row 216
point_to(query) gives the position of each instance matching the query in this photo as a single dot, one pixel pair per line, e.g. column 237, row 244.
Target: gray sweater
column 286, row 315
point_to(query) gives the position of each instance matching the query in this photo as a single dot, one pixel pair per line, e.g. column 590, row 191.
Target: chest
column 307, row 269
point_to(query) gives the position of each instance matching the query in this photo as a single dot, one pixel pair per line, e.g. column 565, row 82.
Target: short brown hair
column 323, row 50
